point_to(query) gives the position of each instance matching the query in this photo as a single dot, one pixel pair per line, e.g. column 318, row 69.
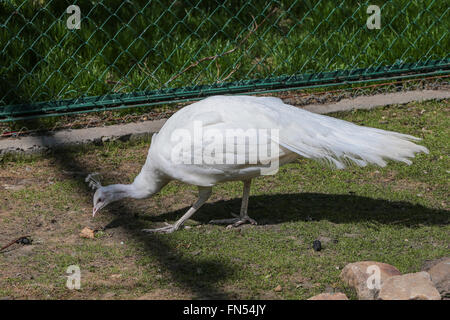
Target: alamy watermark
column 374, row 20
column 374, row 280
column 73, row 277
column 235, row 146
column 74, row 20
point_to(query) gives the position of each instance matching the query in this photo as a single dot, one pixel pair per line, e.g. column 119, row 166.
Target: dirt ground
column 398, row 215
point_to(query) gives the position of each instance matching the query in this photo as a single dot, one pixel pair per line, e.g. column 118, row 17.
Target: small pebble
column 87, row 233
column 317, row 246
column 25, row 241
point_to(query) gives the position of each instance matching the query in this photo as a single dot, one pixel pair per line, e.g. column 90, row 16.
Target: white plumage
column 301, row 133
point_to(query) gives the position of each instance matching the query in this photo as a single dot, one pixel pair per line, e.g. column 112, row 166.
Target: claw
column 169, row 228
column 234, row 222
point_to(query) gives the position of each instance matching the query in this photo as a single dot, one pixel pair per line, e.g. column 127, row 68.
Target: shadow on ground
column 279, row 208
column 183, row 270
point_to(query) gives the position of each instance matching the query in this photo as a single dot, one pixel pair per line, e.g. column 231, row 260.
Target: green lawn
column 398, row 215
column 128, row 46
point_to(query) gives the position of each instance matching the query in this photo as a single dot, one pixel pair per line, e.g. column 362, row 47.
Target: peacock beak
column 94, row 211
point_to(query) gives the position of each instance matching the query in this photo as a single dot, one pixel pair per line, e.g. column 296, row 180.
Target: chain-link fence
column 64, row 57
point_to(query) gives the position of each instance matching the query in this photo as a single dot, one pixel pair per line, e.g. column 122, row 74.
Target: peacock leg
column 243, row 216
column 203, row 195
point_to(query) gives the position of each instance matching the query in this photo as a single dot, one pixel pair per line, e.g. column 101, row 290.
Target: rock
column 431, row 263
column 278, row 288
column 357, row 274
column 330, row 296
column 411, row 286
column 25, row 241
column 440, row 276
column 87, row 233
column 317, row 245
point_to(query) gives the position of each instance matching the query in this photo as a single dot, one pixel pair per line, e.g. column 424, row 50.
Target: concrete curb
column 378, row 100
column 64, row 138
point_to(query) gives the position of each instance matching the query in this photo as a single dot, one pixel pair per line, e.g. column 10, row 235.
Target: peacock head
column 102, row 198
column 103, row 195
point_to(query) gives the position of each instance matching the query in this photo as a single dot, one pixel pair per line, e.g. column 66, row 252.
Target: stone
column 431, row 263
column 330, row 296
column 356, row 275
column 411, row 286
column 278, row 288
column 87, row 233
column 317, row 245
column 440, row 276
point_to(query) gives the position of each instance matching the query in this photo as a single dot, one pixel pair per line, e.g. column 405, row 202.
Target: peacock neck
column 143, row 186
column 149, row 181
column 121, row 191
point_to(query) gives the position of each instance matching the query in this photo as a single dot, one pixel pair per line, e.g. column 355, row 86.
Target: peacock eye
column 100, row 200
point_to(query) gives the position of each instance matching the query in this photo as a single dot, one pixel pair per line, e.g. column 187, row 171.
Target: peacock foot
column 234, row 222
column 169, row 228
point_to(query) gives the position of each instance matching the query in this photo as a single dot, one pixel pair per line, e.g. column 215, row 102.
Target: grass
column 398, row 215
column 126, row 46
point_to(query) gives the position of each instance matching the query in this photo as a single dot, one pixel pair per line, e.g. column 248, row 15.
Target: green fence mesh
column 147, row 52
